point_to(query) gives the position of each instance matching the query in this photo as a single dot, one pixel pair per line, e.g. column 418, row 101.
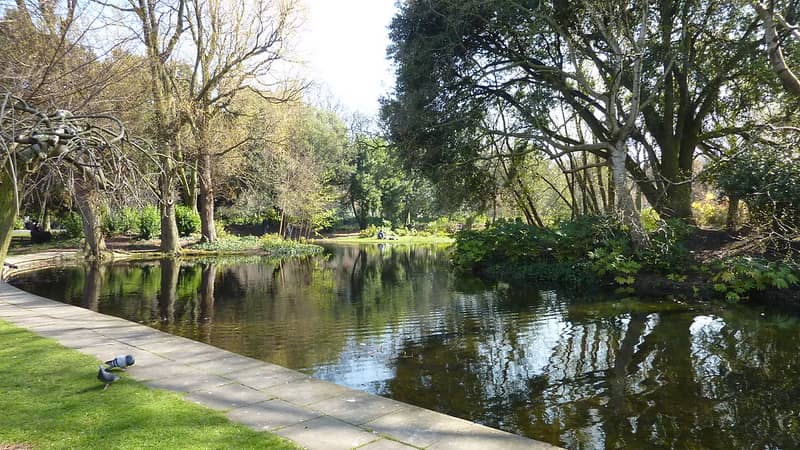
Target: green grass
column 399, row 240
column 51, row 399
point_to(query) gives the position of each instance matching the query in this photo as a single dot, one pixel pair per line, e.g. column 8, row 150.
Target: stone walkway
column 313, row 413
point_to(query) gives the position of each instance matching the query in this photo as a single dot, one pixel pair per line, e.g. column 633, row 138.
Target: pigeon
column 121, row 362
column 106, row 377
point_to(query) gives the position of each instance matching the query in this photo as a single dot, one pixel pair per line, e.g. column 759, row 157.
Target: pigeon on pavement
column 121, row 362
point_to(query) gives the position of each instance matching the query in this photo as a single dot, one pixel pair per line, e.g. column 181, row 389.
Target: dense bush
column 72, row 225
column 765, row 177
column 187, row 219
column 18, row 223
column 505, row 243
column 149, row 223
column 120, row 221
column 666, row 251
column 650, row 219
column 709, row 212
column 271, row 244
column 370, row 231
column 577, row 251
column 577, row 238
column 735, row 277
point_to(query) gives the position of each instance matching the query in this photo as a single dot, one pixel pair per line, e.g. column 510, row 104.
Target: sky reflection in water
column 580, row 371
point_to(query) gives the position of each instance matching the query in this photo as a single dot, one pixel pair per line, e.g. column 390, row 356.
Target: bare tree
column 86, row 144
column 238, row 46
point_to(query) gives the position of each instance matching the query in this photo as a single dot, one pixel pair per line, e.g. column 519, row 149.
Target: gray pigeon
column 121, row 362
column 106, row 377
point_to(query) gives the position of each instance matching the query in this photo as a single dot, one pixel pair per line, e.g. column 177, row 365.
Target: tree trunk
column 206, row 203
column 624, row 205
column 170, row 243
column 732, row 219
column 88, row 200
column 8, row 212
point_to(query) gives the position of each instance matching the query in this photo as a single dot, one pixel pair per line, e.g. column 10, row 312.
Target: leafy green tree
column 763, row 173
column 571, row 77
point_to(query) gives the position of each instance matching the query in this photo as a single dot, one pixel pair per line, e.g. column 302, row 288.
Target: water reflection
column 580, row 372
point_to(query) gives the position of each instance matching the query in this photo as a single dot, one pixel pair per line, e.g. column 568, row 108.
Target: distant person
column 381, row 234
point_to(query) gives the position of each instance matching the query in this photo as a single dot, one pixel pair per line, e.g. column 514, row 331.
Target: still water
column 578, row 370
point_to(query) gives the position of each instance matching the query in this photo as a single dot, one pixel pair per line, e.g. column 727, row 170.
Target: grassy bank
column 51, row 399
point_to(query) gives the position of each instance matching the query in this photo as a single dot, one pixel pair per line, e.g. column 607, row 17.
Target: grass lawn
column 400, row 240
column 50, row 398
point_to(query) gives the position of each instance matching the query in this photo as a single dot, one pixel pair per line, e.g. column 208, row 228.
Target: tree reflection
column 92, row 286
column 578, row 372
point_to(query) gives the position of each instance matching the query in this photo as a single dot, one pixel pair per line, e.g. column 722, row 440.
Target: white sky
column 344, row 43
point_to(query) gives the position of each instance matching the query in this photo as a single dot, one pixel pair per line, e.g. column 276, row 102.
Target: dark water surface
column 588, row 372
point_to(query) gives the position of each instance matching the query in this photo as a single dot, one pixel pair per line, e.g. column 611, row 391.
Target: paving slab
column 479, row 438
column 358, row 407
column 386, row 444
column 106, row 350
column 181, row 350
column 225, row 364
column 228, row 396
column 418, row 427
column 266, row 376
column 327, row 433
column 152, row 341
column 271, row 415
column 186, row 382
column 306, row 391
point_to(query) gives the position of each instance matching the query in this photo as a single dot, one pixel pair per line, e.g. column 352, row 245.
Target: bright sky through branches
column 344, row 43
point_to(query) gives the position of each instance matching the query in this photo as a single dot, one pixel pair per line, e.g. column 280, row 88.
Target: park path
column 266, row 397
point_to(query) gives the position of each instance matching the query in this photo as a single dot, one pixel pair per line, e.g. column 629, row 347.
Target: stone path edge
column 263, row 396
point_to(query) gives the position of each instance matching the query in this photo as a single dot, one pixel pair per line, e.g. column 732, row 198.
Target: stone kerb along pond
column 578, row 370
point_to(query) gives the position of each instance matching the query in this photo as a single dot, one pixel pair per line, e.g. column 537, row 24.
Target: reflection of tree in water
column 638, row 380
column 584, row 374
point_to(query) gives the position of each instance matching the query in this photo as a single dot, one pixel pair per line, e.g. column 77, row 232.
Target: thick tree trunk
column 8, row 212
column 206, row 203
column 170, row 242
column 88, row 200
column 732, row 219
column 624, row 204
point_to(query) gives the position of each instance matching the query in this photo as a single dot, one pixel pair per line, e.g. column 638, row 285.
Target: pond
column 578, row 370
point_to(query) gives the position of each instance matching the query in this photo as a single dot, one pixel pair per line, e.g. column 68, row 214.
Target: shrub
column 736, row 277
column 18, row 223
column 709, row 212
column 615, row 263
column 149, row 223
column 650, row 219
column 73, row 225
column 577, row 238
column 368, row 232
column 505, row 243
column 667, row 251
column 187, row 219
column 443, row 226
column 121, row 221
